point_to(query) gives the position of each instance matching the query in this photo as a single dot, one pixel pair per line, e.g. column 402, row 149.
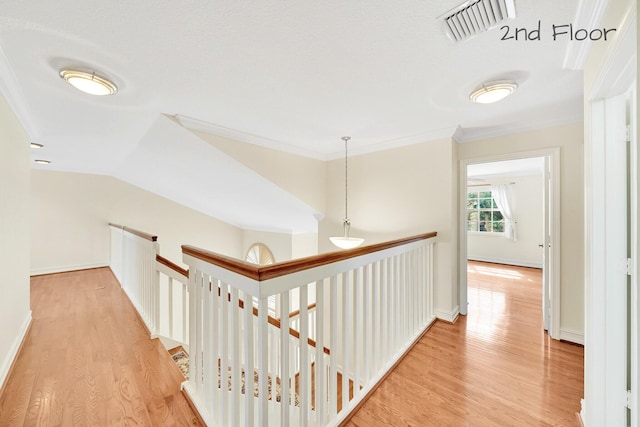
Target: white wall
column 71, row 212
column 527, row 198
column 570, row 140
column 15, row 315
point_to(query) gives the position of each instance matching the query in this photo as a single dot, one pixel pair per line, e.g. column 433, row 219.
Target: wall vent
column 476, row 16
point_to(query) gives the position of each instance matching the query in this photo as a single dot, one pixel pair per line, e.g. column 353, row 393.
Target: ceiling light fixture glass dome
column 88, row 82
column 492, row 92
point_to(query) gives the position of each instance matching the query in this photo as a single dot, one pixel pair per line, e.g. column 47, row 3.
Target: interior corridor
column 494, row 367
column 88, row 360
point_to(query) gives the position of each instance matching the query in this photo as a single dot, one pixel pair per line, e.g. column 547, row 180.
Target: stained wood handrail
column 297, row 312
column 272, row 271
column 138, row 233
column 175, row 267
column 275, row 322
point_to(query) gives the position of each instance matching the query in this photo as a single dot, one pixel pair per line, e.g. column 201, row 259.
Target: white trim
column 238, row 135
column 448, row 316
column 13, row 350
column 571, row 335
column 458, row 133
column 463, row 135
column 67, row 268
column 514, row 262
column 615, row 75
column 618, row 68
column 589, row 15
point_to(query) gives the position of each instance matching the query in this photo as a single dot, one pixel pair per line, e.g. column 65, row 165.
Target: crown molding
column 431, row 135
column 589, row 15
column 238, row 135
column 464, row 135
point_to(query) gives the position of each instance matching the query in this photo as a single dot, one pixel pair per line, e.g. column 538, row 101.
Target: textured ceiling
column 292, row 75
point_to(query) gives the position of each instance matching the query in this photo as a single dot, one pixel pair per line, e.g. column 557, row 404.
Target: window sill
column 484, row 233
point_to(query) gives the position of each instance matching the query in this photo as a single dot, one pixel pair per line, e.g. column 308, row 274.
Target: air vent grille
column 476, row 16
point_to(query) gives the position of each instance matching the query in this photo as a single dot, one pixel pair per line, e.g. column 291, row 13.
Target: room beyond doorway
column 509, row 206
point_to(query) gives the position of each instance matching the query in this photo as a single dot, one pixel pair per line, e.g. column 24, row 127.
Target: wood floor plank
column 88, row 360
column 494, row 367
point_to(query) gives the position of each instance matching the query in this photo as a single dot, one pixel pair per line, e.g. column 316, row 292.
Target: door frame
column 553, row 154
column 616, row 75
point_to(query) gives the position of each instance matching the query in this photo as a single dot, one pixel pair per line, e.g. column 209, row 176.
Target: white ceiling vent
column 476, row 16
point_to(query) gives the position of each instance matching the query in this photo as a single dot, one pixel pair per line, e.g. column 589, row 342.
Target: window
column 260, row 254
column 482, row 213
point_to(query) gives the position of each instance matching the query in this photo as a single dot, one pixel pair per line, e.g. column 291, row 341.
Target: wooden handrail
column 297, row 312
column 275, row 322
column 138, row 233
column 175, row 267
column 272, row 271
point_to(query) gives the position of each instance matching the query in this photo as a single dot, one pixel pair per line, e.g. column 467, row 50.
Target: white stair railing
column 372, row 303
column 156, row 287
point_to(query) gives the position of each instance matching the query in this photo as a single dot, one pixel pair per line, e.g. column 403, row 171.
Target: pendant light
column 345, row 241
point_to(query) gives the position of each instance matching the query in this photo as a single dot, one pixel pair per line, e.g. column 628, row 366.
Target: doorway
column 498, row 228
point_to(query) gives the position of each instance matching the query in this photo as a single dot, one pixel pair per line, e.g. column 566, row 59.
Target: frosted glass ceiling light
column 88, row 82
column 346, row 242
column 492, row 92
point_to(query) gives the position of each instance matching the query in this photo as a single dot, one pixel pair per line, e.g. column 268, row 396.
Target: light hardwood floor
column 494, row 367
column 88, row 360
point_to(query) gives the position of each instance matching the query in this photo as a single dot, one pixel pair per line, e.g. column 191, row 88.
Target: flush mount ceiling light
column 35, row 145
column 42, row 162
column 491, row 92
column 345, row 241
column 88, row 82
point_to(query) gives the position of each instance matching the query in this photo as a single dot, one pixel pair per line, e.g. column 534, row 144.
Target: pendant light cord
column 346, row 178
column 346, row 223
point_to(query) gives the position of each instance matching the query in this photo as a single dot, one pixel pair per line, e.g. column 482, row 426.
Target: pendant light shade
column 345, row 241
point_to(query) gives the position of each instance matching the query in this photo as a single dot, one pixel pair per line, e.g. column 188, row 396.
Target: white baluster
column 285, row 407
column 207, row 342
column 224, row 354
column 263, row 362
column 333, row 312
column 170, row 305
column 305, row 377
column 320, row 378
column 193, row 282
column 248, row 361
column 235, row 357
column 368, row 322
column 211, row 361
column 185, row 312
column 196, row 366
column 376, row 318
column 346, row 338
column 357, row 331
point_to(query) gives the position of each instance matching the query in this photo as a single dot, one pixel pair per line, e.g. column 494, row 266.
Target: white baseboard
column 448, row 316
column 505, row 261
column 13, row 350
column 51, row 270
column 576, row 337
